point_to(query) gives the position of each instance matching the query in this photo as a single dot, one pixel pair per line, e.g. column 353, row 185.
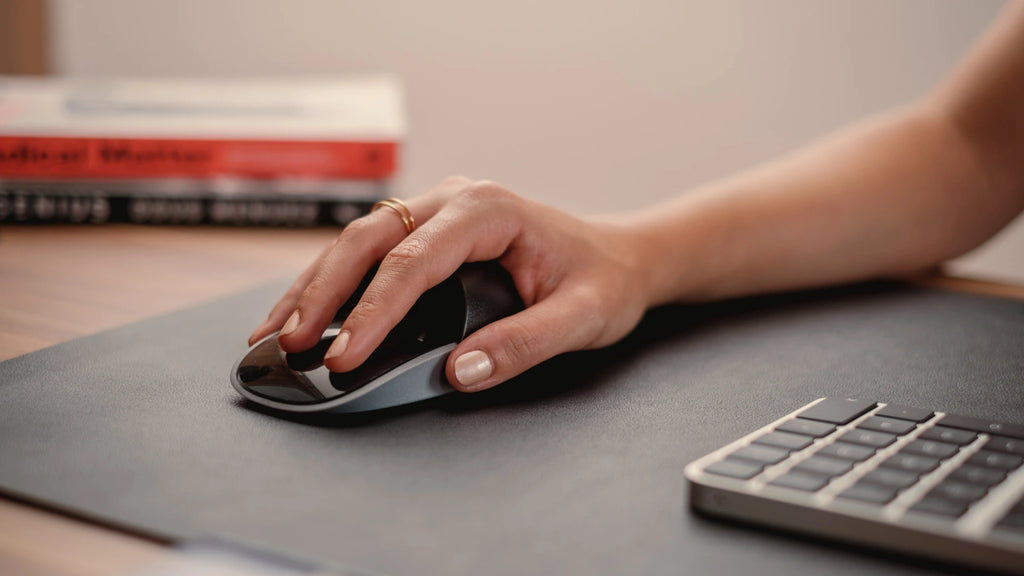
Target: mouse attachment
column 407, row 367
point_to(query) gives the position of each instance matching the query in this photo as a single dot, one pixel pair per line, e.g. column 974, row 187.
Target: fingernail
column 473, row 367
column 338, row 347
column 291, row 324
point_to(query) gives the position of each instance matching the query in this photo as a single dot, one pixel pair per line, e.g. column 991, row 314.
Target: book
column 325, row 128
column 250, row 203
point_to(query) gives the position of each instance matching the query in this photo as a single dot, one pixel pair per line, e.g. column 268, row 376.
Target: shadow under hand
column 580, row 373
column 339, row 420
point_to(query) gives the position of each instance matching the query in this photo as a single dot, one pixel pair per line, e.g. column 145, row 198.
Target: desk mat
column 574, row 468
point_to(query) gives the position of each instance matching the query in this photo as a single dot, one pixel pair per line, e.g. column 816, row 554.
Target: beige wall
column 591, row 105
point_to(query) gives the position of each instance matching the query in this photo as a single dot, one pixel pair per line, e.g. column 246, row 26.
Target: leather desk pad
column 574, row 468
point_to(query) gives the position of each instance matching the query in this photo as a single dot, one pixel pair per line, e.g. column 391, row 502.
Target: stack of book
column 286, row 152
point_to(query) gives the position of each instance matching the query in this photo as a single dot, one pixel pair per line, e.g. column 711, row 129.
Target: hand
column 580, row 280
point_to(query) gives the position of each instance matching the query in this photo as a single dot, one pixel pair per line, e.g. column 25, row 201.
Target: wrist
column 653, row 270
column 675, row 253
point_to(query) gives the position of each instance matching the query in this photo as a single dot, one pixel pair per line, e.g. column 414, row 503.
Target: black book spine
column 27, row 206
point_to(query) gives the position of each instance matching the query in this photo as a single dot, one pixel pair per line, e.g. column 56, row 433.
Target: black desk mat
column 575, row 468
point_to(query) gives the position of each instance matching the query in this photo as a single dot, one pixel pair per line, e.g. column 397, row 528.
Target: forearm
column 885, row 198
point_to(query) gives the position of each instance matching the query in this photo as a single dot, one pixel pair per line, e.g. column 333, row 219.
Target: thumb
column 497, row 352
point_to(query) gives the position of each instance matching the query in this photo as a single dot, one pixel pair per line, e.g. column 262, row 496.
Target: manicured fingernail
column 291, row 324
column 473, row 367
column 339, row 345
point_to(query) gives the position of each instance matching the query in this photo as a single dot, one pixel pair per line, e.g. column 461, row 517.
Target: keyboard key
column 979, row 475
column 940, row 506
column 1009, row 533
column 734, row 469
column 835, row 478
column 956, row 490
column 905, row 413
column 798, row 481
column 868, row 438
column 932, row 448
column 851, row 452
column 807, row 427
column 865, row 492
column 943, row 434
column 1014, row 521
column 761, row 454
column 890, row 425
column 1004, row 444
column 824, row 466
column 997, row 460
column 785, row 440
column 986, row 426
column 911, row 463
column 837, row 410
column 891, row 477
column 1014, row 518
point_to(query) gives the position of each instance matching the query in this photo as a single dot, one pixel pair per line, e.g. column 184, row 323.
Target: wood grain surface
column 59, row 283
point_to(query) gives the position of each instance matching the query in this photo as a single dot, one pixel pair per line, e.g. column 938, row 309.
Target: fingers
column 313, row 299
column 360, row 246
column 337, row 275
column 465, row 230
column 285, row 315
column 286, row 305
column 577, row 288
column 567, row 320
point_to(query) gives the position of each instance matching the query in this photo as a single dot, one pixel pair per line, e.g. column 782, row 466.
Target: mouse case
column 408, row 366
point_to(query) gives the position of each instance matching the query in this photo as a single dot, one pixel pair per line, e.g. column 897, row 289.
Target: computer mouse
column 408, row 366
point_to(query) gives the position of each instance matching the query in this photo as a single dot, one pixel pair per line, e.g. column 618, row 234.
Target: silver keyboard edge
column 984, row 515
column 975, row 525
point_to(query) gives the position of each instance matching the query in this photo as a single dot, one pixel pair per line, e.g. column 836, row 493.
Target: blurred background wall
column 590, row 105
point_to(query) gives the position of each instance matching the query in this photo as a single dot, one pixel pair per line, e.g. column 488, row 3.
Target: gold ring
column 401, row 209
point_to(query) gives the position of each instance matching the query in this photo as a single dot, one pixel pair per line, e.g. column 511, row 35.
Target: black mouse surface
column 407, row 367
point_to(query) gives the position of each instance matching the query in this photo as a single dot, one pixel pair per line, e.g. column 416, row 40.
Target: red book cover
column 76, row 157
column 325, row 129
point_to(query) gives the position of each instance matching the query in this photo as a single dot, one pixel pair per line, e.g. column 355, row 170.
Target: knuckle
column 594, row 304
column 293, row 294
column 403, row 266
column 519, row 345
column 456, row 180
column 321, row 285
column 594, row 309
column 317, row 286
column 485, row 191
column 590, row 297
column 368, row 307
column 377, row 312
column 451, row 186
column 407, row 255
column 357, row 227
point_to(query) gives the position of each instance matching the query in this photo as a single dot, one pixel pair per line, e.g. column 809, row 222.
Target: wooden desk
column 60, row 283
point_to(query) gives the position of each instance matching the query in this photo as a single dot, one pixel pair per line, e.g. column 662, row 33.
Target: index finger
column 338, row 273
column 465, row 230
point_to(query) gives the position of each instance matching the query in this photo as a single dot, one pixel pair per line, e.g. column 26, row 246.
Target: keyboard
column 944, row 487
